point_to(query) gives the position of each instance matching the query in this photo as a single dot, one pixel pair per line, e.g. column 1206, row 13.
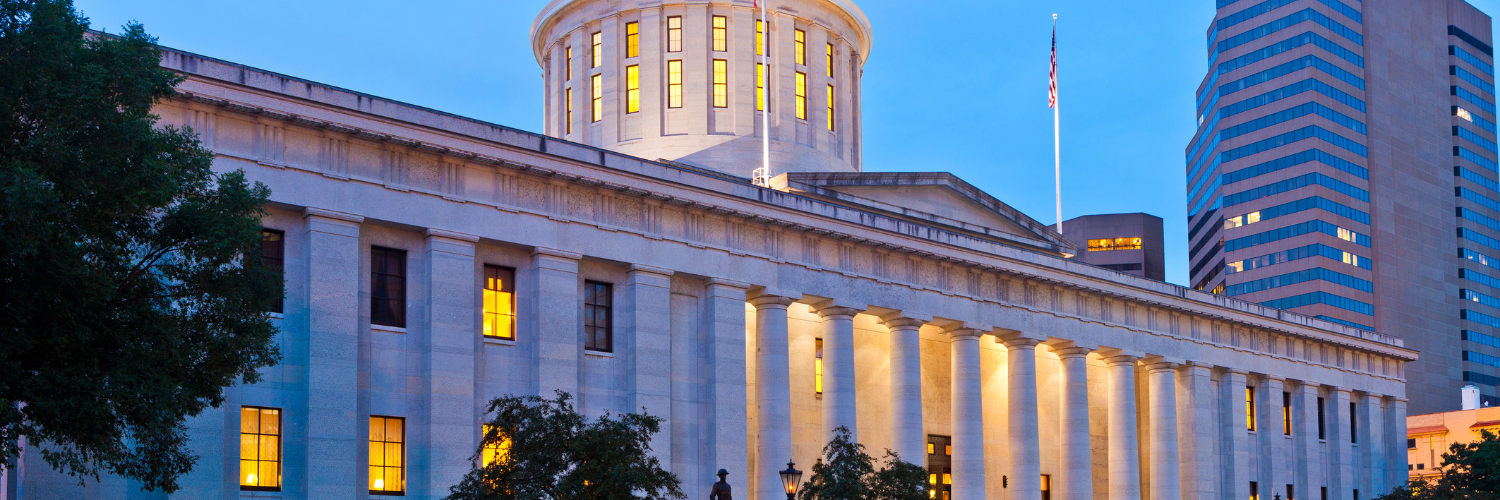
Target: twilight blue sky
column 951, row 85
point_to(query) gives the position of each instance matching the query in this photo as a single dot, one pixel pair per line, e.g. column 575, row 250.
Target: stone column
column 1236, row 456
column 1023, row 433
column 1166, row 478
column 647, row 319
column 1124, row 447
column 1276, row 455
column 332, row 420
column 1396, row 429
column 968, row 416
column 452, row 310
column 1076, row 480
column 1308, row 452
column 1372, row 445
column 1340, row 442
column 773, row 395
column 557, row 319
column 725, row 322
column 838, row 371
column 1197, row 419
column 910, row 437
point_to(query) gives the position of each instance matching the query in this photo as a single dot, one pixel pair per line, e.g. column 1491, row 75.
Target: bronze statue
column 721, row 488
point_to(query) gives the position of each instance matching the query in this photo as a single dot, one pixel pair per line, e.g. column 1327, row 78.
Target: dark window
column 597, row 319
column 1411, row 443
column 1322, row 430
column 1353, row 430
column 1356, row 494
column 1286, row 414
column 1324, row 493
column 273, row 257
column 499, row 302
column 1289, row 492
column 1254, row 490
column 387, row 287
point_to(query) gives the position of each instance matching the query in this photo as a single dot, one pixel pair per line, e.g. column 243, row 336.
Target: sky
column 950, row 85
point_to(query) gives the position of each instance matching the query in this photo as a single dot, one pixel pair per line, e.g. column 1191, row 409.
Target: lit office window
column 498, row 451
column 596, row 50
column 721, row 29
column 260, row 449
column 568, row 104
column 830, row 108
column 632, row 39
column 1346, row 235
column 800, row 37
column 674, row 34
column 499, row 302
column 1286, row 413
column 801, row 95
column 273, row 258
column 632, row 88
column 1243, row 220
column 721, row 83
column 1352, row 259
column 597, row 97
column 387, row 287
column 1046, row 487
column 830, row 60
column 387, row 455
column 760, row 37
column 1107, row 244
column 568, row 64
column 1250, row 409
column 674, row 84
column 1463, row 113
column 818, row 366
column 598, row 305
column 760, row 87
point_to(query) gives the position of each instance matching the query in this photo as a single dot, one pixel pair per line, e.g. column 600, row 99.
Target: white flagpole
column 765, row 98
column 1056, row 130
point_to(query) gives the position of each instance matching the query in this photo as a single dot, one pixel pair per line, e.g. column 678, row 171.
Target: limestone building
column 434, row 262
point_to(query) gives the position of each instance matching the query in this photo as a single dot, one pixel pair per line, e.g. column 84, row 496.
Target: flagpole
column 762, row 176
column 1056, row 130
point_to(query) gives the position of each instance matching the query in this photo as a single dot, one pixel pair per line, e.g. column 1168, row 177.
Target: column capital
column 1019, row 342
column 645, row 269
column 1236, row 371
column 1275, row 378
column 1160, row 366
column 1071, row 352
column 899, row 321
column 771, row 302
column 726, row 283
column 1121, row 359
column 555, row 253
column 834, row 312
column 451, row 235
column 965, row 333
column 311, row 212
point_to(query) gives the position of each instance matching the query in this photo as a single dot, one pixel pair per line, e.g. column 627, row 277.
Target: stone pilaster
column 1276, row 453
column 1340, row 443
column 646, row 321
column 332, row 420
column 452, row 432
column 1307, row 451
column 1372, row 446
column 1198, row 438
column 727, row 417
column 1236, row 435
column 556, row 319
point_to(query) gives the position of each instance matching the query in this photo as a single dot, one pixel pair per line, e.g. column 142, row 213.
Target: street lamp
column 790, row 478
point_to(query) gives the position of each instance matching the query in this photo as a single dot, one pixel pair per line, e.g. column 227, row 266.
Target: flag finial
column 1054, row 16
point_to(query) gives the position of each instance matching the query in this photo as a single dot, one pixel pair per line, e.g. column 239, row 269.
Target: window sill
column 495, row 341
column 259, row 494
column 383, row 328
column 275, row 315
column 600, row 354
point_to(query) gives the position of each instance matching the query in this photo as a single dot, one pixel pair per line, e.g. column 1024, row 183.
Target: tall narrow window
column 596, row 49
column 597, row 316
column 818, row 366
column 830, row 60
column 260, row 448
column 387, row 455
column 568, row 64
column 1046, row 487
column 1286, row 413
column 1250, row 409
column 499, row 302
column 721, row 33
column 273, row 258
column 830, row 108
column 387, row 287
column 674, row 34
column 760, row 87
column 801, row 95
column 1356, row 494
column 568, row 104
column 721, row 83
column 596, row 98
column 1289, row 492
column 1254, row 491
column 632, row 39
column 1324, row 493
column 799, row 37
column 497, row 451
column 632, row 88
column 674, row 84
column 1353, row 426
column 1322, row 430
column 760, row 37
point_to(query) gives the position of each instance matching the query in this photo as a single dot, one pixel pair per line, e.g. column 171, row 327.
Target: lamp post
column 790, row 479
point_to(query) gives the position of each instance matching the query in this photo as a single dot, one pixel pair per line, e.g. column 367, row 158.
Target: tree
column 846, row 472
column 542, row 449
column 1470, row 471
column 132, row 287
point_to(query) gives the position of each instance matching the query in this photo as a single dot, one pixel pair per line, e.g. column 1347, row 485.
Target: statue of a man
column 721, row 488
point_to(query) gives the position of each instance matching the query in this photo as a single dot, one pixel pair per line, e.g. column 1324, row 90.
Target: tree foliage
column 545, row 450
column 132, row 290
column 1470, row 471
column 846, row 472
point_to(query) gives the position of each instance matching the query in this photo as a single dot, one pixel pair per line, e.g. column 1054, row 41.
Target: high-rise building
column 1128, row 243
column 1345, row 168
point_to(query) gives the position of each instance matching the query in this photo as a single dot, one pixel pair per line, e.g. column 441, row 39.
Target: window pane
column 270, row 447
column 249, row 420
column 248, row 447
column 504, row 327
column 270, row 421
column 270, row 474
column 392, row 454
column 377, row 429
column 393, row 430
column 249, row 473
column 377, row 453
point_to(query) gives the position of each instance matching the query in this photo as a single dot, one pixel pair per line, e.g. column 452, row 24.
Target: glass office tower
column 1345, row 167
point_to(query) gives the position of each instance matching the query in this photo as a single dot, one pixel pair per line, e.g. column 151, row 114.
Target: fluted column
column 968, row 416
column 1076, row 480
column 909, row 437
column 1124, row 446
column 773, row 395
column 1023, row 433
column 838, row 371
column 1166, row 477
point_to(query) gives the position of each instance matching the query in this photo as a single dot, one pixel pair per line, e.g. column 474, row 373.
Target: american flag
column 1052, row 76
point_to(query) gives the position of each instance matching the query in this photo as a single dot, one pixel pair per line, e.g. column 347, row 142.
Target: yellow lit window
column 801, row 95
column 568, row 64
column 947, row 478
column 1046, row 487
column 674, row 84
column 632, row 39
column 1351, row 259
column 1218, row 290
column 932, row 478
column 1101, row 245
column 830, row 108
column 760, row 37
column 260, row 449
column 818, row 366
column 1254, row 491
column 1127, row 243
column 632, row 88
column 1107, row 244
column 1286, row 413
column 597, row 98
column 1250, row 409
column 830, row 60
column 499, row 302
column 948, row 449
column 596, row 53
column 721, row 83
column 568, row 104
column 930, row 451
column 387, row 455
column 721, row 28
column 1464, row 113
column 494, row 452
column 1345, row 234
column 800, row 37
column 760, row 87
column 674, row 34
column 1235, row 267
